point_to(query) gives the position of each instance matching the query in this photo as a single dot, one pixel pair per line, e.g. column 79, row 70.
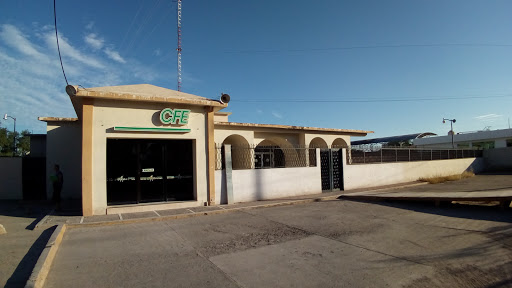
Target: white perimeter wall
column 371, row 175
column 10, row 178
column 262, row 184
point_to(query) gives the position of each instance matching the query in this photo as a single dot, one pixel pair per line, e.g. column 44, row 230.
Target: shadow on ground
column 37, row 210
column 475, row 211
column 20, row 276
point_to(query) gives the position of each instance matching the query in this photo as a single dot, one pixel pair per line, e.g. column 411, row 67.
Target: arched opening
column 268, row 154
column 241, row 154
column 339, row 143
column 316, row 142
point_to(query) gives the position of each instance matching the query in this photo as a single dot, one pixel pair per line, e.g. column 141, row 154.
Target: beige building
column 142, row 147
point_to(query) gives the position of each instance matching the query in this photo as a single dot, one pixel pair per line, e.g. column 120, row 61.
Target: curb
column 376, row 189
column 228, row 210
column 197, row 214
column 43, row 220
column 42, row 267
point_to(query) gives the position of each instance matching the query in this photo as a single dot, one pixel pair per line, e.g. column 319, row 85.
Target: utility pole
column 451, row 127
column 14, row 140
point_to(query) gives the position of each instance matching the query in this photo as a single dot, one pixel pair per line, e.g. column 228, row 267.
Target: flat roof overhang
column 350, row 132
column 77, row 94
column 57, row 119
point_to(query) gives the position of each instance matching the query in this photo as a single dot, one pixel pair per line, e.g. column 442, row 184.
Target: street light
column 14, row 141
column 451, row 127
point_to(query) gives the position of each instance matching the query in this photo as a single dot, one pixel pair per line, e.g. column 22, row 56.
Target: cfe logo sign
column 174, row 116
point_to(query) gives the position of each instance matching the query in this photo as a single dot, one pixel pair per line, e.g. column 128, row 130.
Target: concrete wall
column 262, row 184
column 11, row 178
column 371, row 175
column 109, row 114
column 498, row 158
column 63, row 147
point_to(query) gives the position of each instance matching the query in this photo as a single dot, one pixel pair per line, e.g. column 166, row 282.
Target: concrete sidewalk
column 73, row 218
column 485, row 187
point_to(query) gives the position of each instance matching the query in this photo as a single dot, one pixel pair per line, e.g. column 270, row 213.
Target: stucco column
column 211, row 154
column 87, row 126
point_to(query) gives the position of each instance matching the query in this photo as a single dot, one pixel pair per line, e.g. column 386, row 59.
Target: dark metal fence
column 261, row 157
column 409, row 154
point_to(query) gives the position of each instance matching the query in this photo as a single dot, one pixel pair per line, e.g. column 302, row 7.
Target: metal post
column 228, row 174
column 331, row 168
column 364, row 157
column 381, row 155
column 431, row 155
column 451, row 127
column 409, row 155
column 14, row 151
column 396, row 155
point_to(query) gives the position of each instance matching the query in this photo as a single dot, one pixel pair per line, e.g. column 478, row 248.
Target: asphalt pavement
column 321, row 244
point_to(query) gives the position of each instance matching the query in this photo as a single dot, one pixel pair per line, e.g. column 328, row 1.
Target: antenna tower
column 179, row 44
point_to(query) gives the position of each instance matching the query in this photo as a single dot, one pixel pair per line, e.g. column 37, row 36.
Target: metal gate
column 331, row 169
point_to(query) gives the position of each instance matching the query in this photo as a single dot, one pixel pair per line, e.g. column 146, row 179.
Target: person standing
column 58, row 181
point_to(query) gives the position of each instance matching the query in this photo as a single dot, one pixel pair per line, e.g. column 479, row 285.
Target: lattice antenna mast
column 179, row 44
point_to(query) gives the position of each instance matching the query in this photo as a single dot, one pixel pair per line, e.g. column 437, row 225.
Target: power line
column 249, row 51
column 367, row 100
column 57, row 37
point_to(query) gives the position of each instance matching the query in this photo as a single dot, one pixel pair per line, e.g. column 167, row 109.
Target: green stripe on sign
column 155, row 129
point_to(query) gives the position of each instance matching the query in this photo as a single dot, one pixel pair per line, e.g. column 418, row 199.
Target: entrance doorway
column 145, row 170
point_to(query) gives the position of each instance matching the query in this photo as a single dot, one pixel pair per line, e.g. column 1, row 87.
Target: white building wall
column 11, row 178
column 264, row 184
column 498, row 136
column 372, row 175
column 64, row 147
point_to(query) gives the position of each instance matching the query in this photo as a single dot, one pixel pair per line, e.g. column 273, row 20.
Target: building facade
column 143, row 147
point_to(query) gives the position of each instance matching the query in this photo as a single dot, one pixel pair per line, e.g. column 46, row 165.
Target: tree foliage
column 7, row 142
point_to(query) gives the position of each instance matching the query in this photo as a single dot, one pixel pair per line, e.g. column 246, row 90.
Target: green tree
column 7, row 142
column 23, row 143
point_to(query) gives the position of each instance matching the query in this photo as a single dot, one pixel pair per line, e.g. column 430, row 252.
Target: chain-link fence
column 409, row 154
column 260, row 157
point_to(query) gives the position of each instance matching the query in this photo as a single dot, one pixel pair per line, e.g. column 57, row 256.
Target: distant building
column 480, row 139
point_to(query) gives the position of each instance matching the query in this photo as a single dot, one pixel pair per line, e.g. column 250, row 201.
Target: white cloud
column 157, row 52
column 17, row 40
column 488, row 117
column 90, row 25
column 259, row 111
column 93, row 41
column 31, row 80
column 114, row 55
column 67, row 50
column 277, row 115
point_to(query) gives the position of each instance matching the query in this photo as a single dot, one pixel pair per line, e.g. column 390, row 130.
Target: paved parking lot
column 322, row 244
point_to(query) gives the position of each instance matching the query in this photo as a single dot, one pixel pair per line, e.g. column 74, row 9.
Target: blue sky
column 271, row 55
